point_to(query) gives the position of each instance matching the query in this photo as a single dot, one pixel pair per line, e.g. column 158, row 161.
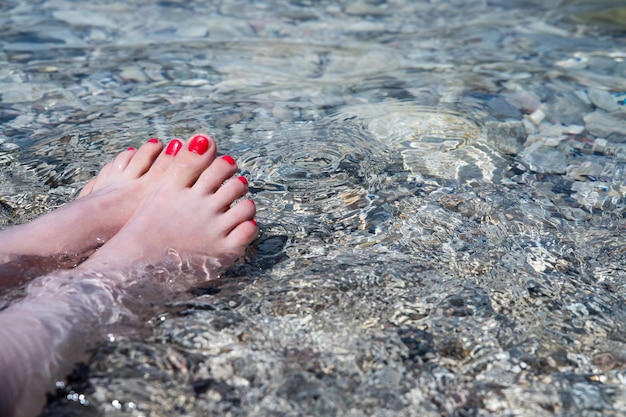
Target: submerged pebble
column 605, row 125
column 544, row 159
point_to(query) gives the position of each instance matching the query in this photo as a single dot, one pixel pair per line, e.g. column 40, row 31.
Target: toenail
column 131, row 149
column 253, row 222
column 173, row 147
column 229, row 159
column 199, row 144
column 243, row 179
column 153, row 140
column 253, row 203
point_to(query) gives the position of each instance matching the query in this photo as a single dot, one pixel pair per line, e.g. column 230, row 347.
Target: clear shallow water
column 440, row 187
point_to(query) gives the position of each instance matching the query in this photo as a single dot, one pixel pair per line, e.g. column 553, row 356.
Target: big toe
column 190, row 160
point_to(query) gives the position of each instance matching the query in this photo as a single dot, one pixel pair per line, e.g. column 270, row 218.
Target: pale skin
column 102, row 208
column 196, row 214
column 108, row 201
column 146, row 202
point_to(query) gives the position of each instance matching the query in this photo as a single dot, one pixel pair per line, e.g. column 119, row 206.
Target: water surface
column 440, row 188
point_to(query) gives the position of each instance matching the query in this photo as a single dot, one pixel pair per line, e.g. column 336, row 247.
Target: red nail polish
column 173, row 147
column 131, row 149
column 253, row 203
column 243, row 179
column 199, row 144
column 229, row 159
column 153, row 140
column 254, row 222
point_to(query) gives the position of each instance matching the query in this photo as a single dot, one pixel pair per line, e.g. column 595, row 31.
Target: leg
column 192, row 211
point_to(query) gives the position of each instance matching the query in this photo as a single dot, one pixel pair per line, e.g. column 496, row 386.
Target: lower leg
column 42, row 336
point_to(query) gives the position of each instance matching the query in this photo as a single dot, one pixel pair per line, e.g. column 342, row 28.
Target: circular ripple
column 313, row 175
column 434, row 142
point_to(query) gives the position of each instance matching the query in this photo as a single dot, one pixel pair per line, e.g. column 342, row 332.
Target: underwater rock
column 544, row 159
column 605, row 125
column 566, row 107
column 604, row 100
column 509, row 137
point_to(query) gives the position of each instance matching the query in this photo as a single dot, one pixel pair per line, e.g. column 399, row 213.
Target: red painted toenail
column 229, row 159
column 199, row 144
column 173, row 147
column 153, row 140
column 131, row 149
column 253, row 203
column 243, row 179
column 253, row 222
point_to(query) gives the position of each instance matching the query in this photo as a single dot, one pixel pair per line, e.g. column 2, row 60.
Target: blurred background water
column 440, row 188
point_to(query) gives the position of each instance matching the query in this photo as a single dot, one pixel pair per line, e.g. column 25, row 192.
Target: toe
column 119, row 164
column 226, row 195
column 241, row 212
column 214, row 176
column 143, row 158
column 101, row 179
column 243, row 234
column 190, row 161
column 88, row 188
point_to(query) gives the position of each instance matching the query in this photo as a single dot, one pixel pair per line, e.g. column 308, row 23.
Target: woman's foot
column 102, row 208
column 192, row 211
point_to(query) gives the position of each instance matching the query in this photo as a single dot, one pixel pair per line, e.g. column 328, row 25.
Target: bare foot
column 191, row 211
column 104, row 205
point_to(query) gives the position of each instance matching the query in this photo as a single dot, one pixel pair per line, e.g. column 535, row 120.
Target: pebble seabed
column 440, row 189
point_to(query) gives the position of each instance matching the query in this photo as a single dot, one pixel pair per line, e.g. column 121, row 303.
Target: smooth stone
column 582, row 171
column 361, row 8
column 509, row 137
column 502, row 109
column 604, row 100
column 526, row 101
column 566, row 107
column 537, row 116
column 134, row 74
column 9, row 147
column 545, row 160
column 603, row 124
column 84, row 18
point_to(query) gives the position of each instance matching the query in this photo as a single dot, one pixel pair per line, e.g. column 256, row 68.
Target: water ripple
column 316, row 174
column 434, row 142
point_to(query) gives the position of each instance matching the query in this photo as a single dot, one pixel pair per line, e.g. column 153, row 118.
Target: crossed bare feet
column 189, row 211
column 146, row 201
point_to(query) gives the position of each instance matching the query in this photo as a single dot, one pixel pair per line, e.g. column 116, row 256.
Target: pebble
column 566, row 107
column 194, row 83
column 526, row 101
column 603, row 124
column 364, row 8
column 543, row 159
column 8, row 147
column 84, row 18
column 537, row 116
column 134, row 74
column 604, row 100
column 509, row 137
